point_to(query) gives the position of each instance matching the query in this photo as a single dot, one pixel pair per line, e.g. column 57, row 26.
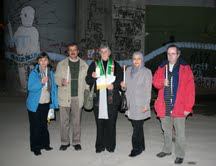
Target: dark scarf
column 170, row 92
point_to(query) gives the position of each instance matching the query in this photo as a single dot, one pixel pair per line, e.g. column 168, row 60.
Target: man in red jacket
column 175, row 82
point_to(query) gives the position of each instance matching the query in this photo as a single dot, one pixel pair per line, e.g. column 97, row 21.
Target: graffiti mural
column 34, row 26
column 26, row 42
column 199, row 62
column 45, row 16
column 203, row 69
column 202, row 61
column 205, row 82
column 93, row 33
column 128, row 27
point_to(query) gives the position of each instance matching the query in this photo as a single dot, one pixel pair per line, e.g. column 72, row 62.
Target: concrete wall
column 165, row 24
column 2, row 63
column 119, row 22
column 127, row 25
column 54, row 20
column 42, row 26
column 128, row 18
column 93, row 25
column 191, row 3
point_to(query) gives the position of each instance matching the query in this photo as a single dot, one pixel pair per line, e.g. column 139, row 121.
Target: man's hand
column 110, row 87
column 166, row 82
column 186, row 113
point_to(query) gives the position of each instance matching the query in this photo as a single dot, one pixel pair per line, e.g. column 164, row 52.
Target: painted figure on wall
column 26, row 40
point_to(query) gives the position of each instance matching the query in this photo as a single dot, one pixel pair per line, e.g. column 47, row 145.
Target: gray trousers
column 70, row 114
column 167, row 124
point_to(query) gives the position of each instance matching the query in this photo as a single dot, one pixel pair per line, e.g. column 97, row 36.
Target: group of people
column 65, row 89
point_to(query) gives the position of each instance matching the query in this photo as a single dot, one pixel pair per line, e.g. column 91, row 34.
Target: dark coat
column 115, row 92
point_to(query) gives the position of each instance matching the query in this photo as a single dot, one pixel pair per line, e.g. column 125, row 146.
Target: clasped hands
column 109, row 87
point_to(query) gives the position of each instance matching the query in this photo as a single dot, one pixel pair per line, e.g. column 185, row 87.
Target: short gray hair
column 104, row 45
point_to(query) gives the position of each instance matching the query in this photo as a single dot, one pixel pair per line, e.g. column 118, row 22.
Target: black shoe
column 162, row 154
column 134, row 153
column 77, row 147
column 64, row 147
column 99, row 150
column 48, row 148
column 37, row 152
column 111, row 151
column 178, row 160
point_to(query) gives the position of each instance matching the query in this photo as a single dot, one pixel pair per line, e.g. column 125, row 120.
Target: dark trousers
column 106, row 130
column 138, row 141
column 39, row 134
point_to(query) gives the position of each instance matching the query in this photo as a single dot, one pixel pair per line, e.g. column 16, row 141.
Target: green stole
column 103, row 108
column 109, row 66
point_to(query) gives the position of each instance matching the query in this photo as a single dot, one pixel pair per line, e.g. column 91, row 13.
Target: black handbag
column 123, row 106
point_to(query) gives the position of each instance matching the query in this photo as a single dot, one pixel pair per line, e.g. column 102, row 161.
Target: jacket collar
column 66, row 61
column 181, row 62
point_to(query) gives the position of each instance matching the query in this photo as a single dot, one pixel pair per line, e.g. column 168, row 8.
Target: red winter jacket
column 185, row 96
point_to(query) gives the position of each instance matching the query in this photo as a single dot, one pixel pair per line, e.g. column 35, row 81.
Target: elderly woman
column 138, row 84
column 42, row 95
column 105, row 75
